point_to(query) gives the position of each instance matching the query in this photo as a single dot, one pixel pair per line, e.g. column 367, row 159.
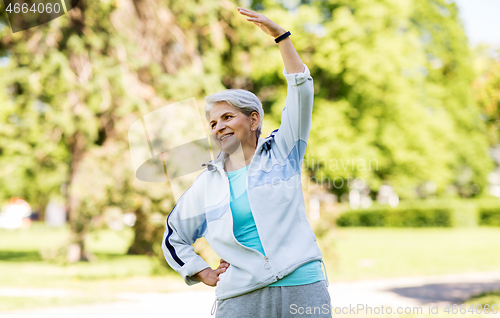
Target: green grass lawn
column 489, row 299
column 22, row 267
column 349, row 254
column 364, row 253
column 18, row 303
column 19, row 255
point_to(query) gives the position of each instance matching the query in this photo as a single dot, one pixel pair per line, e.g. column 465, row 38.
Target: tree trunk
column 43, row 200
column 142, row 244
column 78, row 224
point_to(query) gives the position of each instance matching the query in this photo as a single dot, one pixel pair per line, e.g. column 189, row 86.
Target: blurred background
column 401, row 175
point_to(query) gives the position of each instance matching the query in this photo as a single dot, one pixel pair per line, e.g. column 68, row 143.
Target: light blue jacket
column 275, row 195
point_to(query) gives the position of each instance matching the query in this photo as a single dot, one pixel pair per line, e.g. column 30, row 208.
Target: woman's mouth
column 226, row 136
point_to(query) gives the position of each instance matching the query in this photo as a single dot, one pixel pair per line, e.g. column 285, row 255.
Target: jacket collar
column 219, row 161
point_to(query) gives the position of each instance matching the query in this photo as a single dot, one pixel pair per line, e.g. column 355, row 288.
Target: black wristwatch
column 282, row 37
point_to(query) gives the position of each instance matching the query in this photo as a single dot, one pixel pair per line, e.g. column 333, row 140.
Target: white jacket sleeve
column 185, row 224
column 296, row 117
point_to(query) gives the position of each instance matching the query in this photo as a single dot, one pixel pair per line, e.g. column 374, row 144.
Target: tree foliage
column 392, row 78
column 487, row 90
column 393, row 99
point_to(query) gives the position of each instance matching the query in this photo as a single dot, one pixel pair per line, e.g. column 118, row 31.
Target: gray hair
column 243, row 100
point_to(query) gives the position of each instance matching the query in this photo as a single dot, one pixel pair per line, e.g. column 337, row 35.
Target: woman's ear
column 254, row 120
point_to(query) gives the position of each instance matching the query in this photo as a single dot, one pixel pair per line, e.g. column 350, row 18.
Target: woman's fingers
column 225, row 265
column 245, row 10
column 249, row 13
column 255, row 20
column 220, row 271
column 252, row 15
column 264, row 23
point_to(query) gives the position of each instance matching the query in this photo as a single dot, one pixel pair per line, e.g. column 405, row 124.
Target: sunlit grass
column 23, row 303
column 490, row 299
column 349, row 254
column 362, row 253
column 22, row 266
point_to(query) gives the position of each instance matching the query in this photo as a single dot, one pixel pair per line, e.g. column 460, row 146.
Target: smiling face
column 230, row 127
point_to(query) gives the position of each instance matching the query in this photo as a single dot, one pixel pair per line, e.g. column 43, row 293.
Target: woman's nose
column 219, row 127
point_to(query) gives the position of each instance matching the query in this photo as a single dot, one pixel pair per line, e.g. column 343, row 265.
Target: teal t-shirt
column 245, row 231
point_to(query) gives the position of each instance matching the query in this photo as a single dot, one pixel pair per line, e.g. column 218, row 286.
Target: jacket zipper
column 267, row 265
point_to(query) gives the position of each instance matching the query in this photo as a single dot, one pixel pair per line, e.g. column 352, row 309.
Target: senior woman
column 249, row 204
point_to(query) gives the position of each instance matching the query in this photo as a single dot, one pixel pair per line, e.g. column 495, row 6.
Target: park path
column 421, row 291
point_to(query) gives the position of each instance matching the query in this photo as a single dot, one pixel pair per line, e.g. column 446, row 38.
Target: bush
column 426, row 213
column 489, row 212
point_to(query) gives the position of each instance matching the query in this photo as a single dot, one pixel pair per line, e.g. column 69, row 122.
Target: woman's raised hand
column 291, row 59
column 263, row 22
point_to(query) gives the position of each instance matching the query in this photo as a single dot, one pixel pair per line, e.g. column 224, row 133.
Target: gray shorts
column 310, row 300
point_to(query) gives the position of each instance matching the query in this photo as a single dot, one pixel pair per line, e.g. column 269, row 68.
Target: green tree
column 393, row 96
column 73, row 87
column 449, row 61
column 487, row 90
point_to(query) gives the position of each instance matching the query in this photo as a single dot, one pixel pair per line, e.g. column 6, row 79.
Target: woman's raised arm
column 291, row 59
column 296, row 118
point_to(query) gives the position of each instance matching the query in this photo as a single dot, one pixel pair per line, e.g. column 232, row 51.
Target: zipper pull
column 267, row 265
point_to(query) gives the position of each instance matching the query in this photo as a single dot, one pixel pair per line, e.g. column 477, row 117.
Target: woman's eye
column 225, row 117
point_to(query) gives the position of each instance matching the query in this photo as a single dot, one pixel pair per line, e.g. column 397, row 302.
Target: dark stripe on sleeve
column 169, row 246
